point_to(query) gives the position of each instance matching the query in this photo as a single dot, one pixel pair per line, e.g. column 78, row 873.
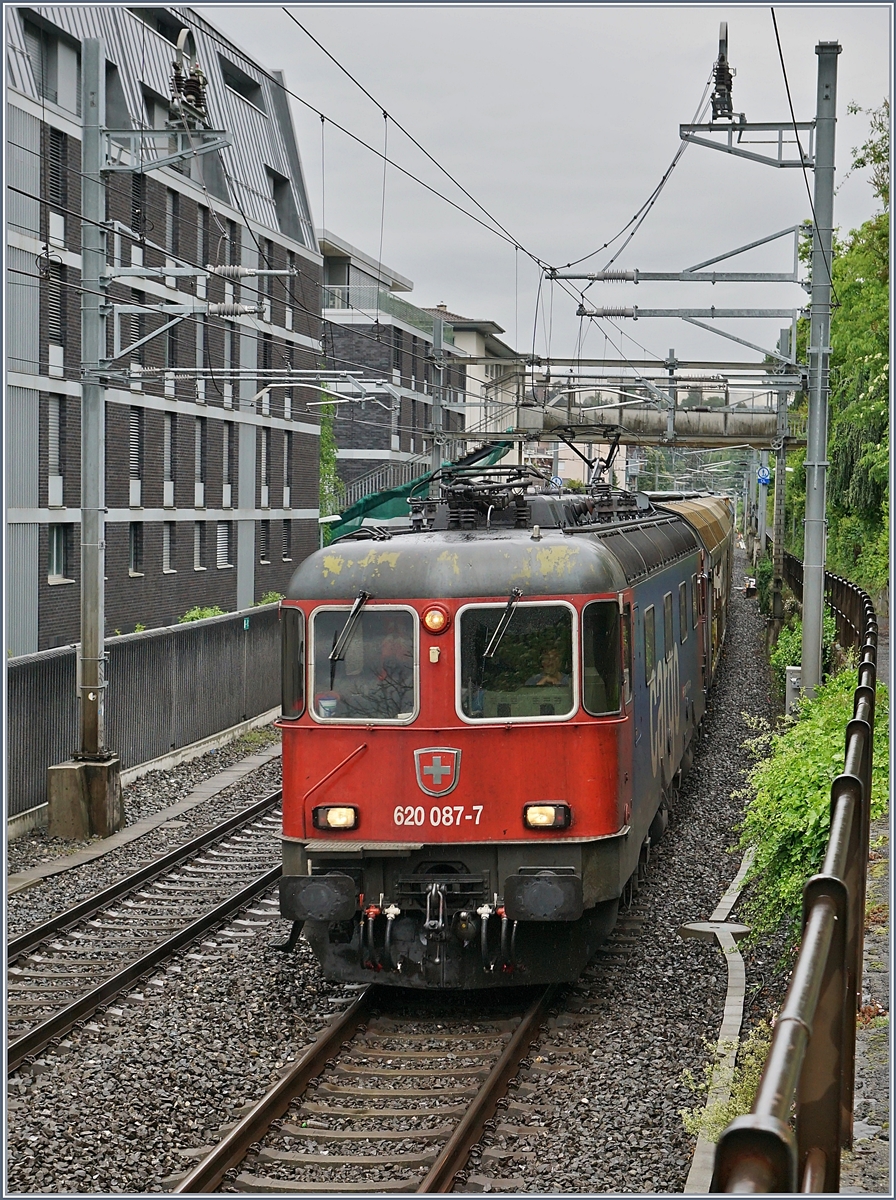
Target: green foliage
column 269, row 598
column 574, row 485
column 332, row 489
column 859, row 435
column 740, row 1084
column 875, row 152
column 764, row 572
column 788, row 651
column 139, row 627
column 787, row 818
column 198, row 613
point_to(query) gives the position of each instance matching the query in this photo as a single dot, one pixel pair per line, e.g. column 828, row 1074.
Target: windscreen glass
column 375, row 679
column 601, row 657
column 530, row 673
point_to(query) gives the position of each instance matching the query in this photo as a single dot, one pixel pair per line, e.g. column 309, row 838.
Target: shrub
column 198, row 613
column 741, row 1082
column 787, row 818
column 788, row 651
column 764, row 573
column 269, row 598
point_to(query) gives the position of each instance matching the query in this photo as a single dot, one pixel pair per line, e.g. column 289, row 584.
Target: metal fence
column 166, row 689
column 803, row 1113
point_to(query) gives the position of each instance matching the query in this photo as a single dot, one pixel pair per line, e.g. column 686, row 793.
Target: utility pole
column 819, row 365
column 438, row 376
column 84, row 794
column 763, row 504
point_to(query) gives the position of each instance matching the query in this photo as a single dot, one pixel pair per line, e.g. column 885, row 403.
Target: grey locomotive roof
column 468, row 564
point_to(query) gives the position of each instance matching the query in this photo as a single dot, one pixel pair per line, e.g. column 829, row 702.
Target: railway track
column 400, row 1102
column 60, row 972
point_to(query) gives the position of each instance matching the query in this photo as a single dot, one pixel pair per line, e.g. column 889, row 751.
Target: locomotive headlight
column 436, row 619
column 547, row 816
column 326, row 817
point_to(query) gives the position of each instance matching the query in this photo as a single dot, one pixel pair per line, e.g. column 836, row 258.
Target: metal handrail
column 802, row 1116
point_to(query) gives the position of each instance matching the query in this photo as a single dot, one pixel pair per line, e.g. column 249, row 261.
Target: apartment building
column 369, row 327
column 211, row 460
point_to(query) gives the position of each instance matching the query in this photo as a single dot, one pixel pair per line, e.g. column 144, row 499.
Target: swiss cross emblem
column 438, row 769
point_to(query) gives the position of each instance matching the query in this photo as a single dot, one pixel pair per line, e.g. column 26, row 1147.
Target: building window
column 290, row 291
column 56, row 184
column 199, row 460
column 169, row 456
column 41, row 50
column 172, row 221
column 396, row 348
column 228, row 364
column 264, row 542
column 223, row 544
column 169, row 547
column 265, row 450
column 57, row 557
column 138, row 329
column 199, row 546
column 138, row 203
column 287, row 469
column 55, row 427
column 135, row 457
column 135, row 548
column 200, row 358
column 55, row 294
column 287, row 541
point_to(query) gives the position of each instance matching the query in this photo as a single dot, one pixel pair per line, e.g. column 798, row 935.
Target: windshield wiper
column 506, row 616
column 339, row 645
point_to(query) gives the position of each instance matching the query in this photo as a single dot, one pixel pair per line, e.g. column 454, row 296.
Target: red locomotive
column 484, row 716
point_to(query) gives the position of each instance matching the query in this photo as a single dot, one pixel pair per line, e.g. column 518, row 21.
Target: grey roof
column 262, row 134
column 330, row 242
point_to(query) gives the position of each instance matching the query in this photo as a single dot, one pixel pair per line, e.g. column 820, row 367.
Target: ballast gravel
column 145, row 796
column 114, row 1110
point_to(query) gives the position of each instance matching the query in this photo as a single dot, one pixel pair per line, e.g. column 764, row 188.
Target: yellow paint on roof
column 333, row 564
column 450, row 557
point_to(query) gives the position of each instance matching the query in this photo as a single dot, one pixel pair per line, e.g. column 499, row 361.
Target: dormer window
column 241, row 83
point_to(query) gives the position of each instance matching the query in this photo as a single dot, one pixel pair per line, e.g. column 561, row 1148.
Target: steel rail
column 811, row 1062
column 87, row 908
column 232, row 1149
column 62, row 1021
column 456, row 1151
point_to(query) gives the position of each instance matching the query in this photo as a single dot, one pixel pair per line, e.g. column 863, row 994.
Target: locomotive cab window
column 373, row 676
column 601, row 657
column 516, row 662
column 292, row 662
column 649, row 643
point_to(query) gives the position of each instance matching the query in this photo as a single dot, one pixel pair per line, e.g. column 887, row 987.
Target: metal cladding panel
column 22, row 312
column 144, row 57
column 22, row 549
column 42, row 723
column 22, row 442
column 711, row 517
column 627, row 552
column 166, row 689
column 446, row 564
column 23, row 173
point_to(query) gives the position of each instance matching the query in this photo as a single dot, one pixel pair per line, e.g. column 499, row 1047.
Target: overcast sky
column 560, row 120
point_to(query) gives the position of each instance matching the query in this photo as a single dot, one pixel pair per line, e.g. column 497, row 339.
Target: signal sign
column 764, row 476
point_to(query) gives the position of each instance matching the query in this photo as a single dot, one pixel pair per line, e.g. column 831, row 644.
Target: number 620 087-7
column 445, row 814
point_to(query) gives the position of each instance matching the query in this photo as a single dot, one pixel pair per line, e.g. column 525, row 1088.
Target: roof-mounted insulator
column 231, row 310
column 229, row 272
column 722, row 79
column 194, row 88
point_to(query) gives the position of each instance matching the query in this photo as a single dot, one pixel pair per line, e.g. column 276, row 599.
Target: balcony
column 368, row 298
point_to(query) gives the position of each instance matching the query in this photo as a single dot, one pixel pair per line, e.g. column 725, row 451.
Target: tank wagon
column 485, row 717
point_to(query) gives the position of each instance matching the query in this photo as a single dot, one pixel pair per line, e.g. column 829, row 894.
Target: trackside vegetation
column 787, row 816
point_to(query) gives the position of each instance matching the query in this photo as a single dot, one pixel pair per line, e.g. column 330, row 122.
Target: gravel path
column 179, row 1063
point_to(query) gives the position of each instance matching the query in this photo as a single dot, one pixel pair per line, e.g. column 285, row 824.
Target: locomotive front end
column 455, row 733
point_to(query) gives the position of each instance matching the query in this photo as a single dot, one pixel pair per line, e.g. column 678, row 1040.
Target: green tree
column 332, row 489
